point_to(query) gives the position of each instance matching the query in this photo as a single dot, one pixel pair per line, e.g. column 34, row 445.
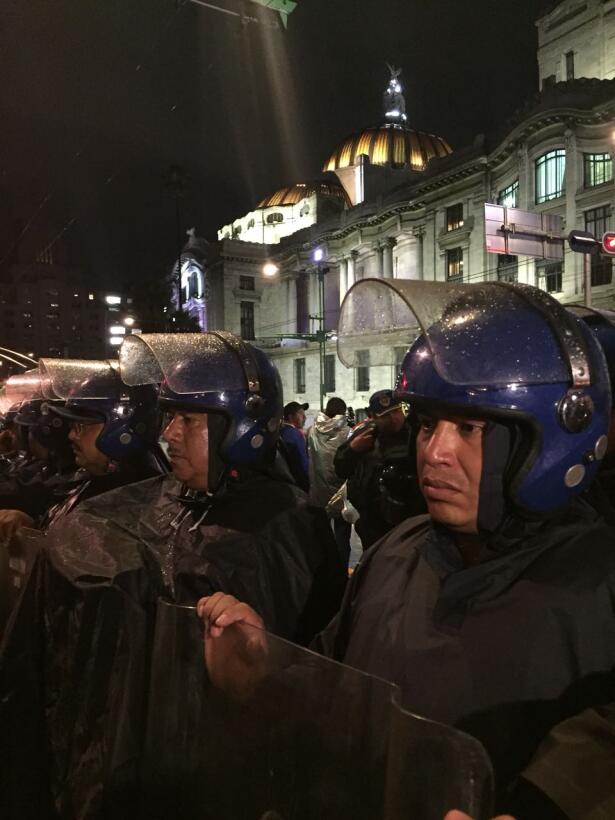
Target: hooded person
column 228, row 519
column 493, row 613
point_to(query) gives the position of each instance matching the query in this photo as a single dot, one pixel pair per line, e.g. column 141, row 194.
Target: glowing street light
column 270, row 269
column 318, row 255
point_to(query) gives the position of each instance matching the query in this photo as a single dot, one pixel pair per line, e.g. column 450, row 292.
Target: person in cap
column 293, row 444
column 374, row 462
column 494, row 612
column 228, row 518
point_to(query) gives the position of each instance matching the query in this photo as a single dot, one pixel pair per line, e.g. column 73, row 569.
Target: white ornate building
column 398, row 202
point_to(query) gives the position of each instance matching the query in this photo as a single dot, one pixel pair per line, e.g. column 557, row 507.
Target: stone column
column 291, row 304
column 389, row 244
column 419, row 235
column 380, row 252
column 343, row 278
column 351, row 263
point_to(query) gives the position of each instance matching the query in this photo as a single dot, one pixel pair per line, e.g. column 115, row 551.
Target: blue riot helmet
column 215, row 373
column 46, row 427
column 93, row 392
column 602, row 323
column 506, row 353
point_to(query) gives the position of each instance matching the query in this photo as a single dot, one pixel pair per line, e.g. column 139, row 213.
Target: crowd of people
column 481, row 489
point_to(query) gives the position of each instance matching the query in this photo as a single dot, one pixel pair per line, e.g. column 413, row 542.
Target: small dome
column 295, row 193
column 394, row 145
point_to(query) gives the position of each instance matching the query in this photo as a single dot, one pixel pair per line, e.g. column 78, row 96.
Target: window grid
column 550, row 174
column 596, row 222
column 329, row 373
column 454, row 217
column 509, row 196
column 362, row 371
column 454, row 265
column 247, row 320
column 549, row 276
column 299, row 375
column 598, row 169
column 507, row 268
column 246, row 283
column 570, row 65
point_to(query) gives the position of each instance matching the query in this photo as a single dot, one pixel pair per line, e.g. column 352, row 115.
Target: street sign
column 514, row 232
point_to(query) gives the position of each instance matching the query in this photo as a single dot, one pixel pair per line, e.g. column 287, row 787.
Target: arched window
column 275, row 217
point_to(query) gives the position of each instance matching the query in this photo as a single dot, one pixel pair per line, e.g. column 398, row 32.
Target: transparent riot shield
column 23, row 387
column 460, row 322
column 266, row 730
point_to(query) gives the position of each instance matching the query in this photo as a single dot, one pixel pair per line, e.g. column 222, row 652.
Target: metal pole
column 180, row 295
column 321, row 332
column 587, row 279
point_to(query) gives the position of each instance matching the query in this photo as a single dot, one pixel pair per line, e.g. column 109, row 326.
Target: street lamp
column 318, row 256
column 270, row 269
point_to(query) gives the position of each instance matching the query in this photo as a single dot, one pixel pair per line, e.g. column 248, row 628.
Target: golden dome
column 394, row 145
column 295, row 193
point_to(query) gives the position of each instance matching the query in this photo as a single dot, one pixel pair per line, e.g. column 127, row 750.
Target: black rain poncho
column 74, row 673
column 504, row 649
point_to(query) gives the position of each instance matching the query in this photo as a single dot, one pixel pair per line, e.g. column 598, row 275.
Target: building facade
column 414, row 209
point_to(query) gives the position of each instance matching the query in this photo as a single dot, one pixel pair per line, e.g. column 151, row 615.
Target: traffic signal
column 608, row 243
column 583, row 242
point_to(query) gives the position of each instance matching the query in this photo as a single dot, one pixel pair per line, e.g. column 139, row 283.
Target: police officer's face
column 449, row 455
column 187, row 436
column 87, row 455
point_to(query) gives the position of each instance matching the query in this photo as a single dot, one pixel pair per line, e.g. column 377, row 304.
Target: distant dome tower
column 393, row 99
column 375, row 159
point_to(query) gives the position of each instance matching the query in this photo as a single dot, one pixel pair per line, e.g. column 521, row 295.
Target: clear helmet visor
column 188, row 363
column 78, row 379
column 23, row 387
column 485, row 334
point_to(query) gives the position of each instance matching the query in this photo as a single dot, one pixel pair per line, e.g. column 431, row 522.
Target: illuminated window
column 550, row 175
column 329, row 374
column 598, row 169
column 362, row 371
column 91, row 297
column 454, row 265
column 509, row 196
column 454, row 217
column 247, row 320
column 596, row 222
column 299, row 375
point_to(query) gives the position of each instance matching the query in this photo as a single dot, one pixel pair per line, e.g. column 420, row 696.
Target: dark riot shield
column 267, row 730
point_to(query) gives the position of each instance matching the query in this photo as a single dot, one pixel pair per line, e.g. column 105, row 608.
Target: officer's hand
column 363, row 440
column 459, row 815
column 235, row 644
column 11, row 521
column 220, row 610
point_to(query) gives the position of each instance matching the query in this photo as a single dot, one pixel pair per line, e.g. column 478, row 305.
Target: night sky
column 99, row 99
